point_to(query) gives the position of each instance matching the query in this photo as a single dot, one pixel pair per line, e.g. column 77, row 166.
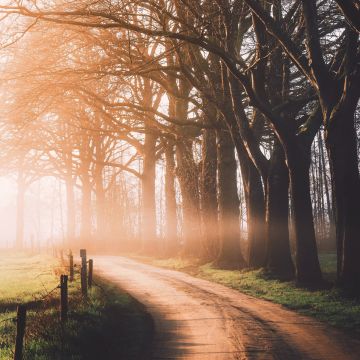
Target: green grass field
column 326, row 305
column 24, row 276
column 109, row 325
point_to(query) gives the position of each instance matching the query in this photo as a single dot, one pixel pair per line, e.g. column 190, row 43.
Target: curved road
column 198, row 319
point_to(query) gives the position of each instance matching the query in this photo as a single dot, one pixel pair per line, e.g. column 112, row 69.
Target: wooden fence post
column 71, row 266
column 91, row 268
column 63, row 298
column 83, row 272
column 20, row 332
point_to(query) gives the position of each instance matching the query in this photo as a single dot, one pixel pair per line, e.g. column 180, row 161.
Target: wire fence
column 20, row 318
column 8, row 319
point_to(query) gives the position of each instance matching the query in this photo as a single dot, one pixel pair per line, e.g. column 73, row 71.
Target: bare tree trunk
column 208, row 191
column 279, row 260
column 307, row 263
column 329, row 210
column 85, row 230
column 187, row 174
column 230, row 256
column 253, row 188
column 256, row 217
column 70, row 207
column 171, row 238
column 342, row 146
column 148, row 226
column 70, row 187
column 101, row 221
column 254, row 198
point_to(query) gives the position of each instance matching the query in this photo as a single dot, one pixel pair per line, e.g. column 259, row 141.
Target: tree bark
column 230, row 255
column 279, row 261
column 101, row 221
column 85, row 231
column 254, row 194
column 187, row 174
column 208, row 194
column 171, row 238
column 254, row 197
column 245, row 142
column 148, row 226
column 70, row 207
column 329, row 209
column 342, row 147
column 307, row 263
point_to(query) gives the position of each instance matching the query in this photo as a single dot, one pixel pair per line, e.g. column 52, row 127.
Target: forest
column 222, row 130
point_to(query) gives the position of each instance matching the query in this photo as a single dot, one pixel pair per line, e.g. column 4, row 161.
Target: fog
column 43, row 214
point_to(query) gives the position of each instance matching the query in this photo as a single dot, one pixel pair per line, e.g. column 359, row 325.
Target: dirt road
column 197, row 319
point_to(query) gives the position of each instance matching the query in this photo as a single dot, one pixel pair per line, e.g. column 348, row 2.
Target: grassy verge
column 326, row 305
column 109, row 325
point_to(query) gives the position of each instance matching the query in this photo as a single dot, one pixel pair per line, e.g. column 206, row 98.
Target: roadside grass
column 108, row 325
column 329, row 305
